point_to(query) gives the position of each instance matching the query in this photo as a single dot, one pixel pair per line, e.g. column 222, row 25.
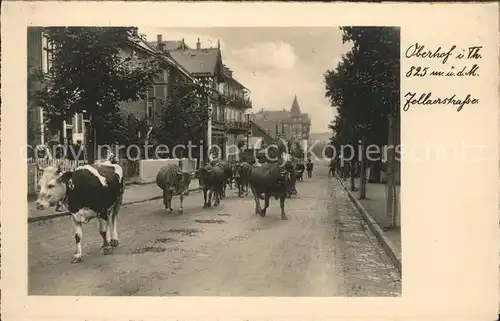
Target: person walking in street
column 309, row 168
column 332, row 167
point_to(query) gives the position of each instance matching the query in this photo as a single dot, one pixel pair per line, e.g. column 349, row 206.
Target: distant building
column 291, row 124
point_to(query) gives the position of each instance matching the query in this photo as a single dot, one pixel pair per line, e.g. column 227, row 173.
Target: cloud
column 273, row 55
column 273, row 69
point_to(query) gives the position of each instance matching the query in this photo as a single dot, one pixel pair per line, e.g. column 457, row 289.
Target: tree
column 89, row 73
column 364, row 86
column 183, row 116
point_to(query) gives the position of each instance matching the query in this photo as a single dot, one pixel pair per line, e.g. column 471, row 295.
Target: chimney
column 159, row 40
column 183, row 44
column 198, row 44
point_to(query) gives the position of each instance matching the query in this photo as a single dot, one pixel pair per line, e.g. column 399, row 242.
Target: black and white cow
column 88, row 192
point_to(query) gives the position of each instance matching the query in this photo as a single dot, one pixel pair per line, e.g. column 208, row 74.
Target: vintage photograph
column 242, row 161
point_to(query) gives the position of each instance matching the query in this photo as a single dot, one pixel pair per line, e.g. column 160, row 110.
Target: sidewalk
column 134, row 193
column 375, row 206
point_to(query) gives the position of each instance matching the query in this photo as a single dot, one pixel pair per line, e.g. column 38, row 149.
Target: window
column 47, row 54
column 79, row 123
column 151, row 92
column 214, row 112
column 85, row 116
column 151, row 107
column 160, row 91
column 221, row 113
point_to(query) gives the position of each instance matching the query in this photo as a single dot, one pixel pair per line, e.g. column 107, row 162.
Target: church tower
column 295, row 111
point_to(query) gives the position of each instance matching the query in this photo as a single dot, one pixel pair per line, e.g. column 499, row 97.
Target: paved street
column 324, row 249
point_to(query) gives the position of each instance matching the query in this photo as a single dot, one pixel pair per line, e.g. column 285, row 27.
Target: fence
column 34, row 174
column 130, row 169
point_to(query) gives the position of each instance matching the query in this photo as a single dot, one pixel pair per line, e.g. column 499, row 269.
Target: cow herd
column 96, row 191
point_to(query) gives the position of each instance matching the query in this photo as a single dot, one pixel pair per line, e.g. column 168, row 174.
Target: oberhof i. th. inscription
column 453, row 62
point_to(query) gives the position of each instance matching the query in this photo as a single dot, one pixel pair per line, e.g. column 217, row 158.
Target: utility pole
column 248, row 130
column 363, row 170
column 209, row 127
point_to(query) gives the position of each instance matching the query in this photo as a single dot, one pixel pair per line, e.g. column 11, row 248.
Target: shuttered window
column 47, row 55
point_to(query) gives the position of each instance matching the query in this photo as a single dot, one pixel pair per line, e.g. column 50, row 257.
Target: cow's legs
column 217, row 194
column 257, row 202
column 77, row 257
column 223, row 190
column 282, row 206
column 209, row 197
column 240, row 188
column 114, row 220
column 105, row 234
column 266, row 205
column 167, row 196
column 205, row 197
column 182, row 202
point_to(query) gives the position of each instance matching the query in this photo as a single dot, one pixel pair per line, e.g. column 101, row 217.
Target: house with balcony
column 76, row 127
column 229, row 98
column 235, row 98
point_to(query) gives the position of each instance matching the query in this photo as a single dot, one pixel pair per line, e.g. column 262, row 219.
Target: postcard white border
column 459, row 291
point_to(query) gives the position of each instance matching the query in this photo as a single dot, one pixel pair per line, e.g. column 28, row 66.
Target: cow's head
column 184, row 179
column 53, row 186
column 236, row 170
column 204, row 174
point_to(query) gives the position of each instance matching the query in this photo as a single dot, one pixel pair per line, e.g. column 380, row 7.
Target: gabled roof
column 139, row 43
column 233, row 81
column 295, row 108
column 272, row 115
column 201, row 62
column 228, row 77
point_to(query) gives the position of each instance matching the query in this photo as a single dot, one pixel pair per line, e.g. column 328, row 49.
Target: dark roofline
column 143, row 45
column 262, row 129
column 239, row 83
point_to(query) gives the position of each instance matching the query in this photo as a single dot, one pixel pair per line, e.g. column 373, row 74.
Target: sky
column 274, row 63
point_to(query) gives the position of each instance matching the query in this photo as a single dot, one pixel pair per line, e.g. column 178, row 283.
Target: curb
column 386, row 243
column 56, row 215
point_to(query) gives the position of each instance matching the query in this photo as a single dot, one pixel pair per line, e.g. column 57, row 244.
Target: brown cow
column 173, row 181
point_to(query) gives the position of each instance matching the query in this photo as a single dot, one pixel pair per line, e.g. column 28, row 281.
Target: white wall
column 148, row 168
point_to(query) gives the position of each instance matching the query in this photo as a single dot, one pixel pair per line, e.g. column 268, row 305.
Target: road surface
column 324, row 249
